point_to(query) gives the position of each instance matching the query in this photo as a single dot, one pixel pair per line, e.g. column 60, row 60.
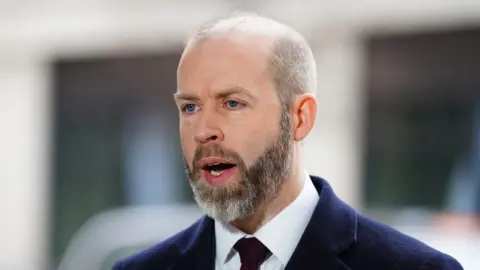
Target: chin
column 228, row 212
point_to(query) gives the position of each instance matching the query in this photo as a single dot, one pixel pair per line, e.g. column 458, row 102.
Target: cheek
column 251, row 143
column 187, row 142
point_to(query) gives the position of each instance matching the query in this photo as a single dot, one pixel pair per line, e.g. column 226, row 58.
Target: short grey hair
column 291, row 62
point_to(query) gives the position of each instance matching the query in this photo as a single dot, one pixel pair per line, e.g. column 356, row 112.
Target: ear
column 304, row 114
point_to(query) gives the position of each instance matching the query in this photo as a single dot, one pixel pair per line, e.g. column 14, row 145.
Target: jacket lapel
column 199, row 253
column 331, row 230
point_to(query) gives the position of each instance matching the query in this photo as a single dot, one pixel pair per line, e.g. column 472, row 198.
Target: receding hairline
column 242, row 23
column 290, row 60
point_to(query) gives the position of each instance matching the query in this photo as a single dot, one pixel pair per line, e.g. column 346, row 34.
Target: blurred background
column 90, row 163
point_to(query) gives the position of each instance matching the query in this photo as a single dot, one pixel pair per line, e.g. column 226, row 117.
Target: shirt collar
column 291, row 222
column 225, row 238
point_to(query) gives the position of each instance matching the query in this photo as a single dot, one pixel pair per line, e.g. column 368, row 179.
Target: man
column 246, row 97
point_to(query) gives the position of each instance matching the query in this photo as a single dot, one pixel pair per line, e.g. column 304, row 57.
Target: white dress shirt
column 280, row 235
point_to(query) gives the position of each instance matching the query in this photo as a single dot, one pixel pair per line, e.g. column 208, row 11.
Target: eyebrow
column 185, row 97
column 219, row 95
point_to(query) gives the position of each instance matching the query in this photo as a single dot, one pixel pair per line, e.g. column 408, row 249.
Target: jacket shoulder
column 379, row 246
column 160, row 256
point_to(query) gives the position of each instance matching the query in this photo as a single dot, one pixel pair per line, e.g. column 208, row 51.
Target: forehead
column 220, row 62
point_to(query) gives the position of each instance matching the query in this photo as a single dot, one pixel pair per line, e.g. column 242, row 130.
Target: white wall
column 23, row 156
column 33, row 32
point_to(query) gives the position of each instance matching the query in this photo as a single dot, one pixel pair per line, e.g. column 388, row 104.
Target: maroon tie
column 252, row 253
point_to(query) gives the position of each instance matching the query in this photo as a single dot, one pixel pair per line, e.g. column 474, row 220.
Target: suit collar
column 331, row 230
column 333, row 223
column 198, row 249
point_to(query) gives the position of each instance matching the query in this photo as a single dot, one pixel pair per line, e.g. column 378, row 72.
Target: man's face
column 235, row 133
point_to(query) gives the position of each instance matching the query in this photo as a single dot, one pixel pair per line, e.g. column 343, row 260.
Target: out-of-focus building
column 88, row 123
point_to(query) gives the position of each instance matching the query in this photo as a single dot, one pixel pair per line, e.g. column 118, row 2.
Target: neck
column 286, row 194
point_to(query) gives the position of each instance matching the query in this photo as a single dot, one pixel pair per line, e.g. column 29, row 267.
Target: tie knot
column 251, row 250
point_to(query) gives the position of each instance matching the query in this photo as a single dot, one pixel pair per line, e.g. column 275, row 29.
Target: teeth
column 215, row 173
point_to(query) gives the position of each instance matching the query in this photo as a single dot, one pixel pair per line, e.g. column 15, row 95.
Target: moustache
column 215, row 150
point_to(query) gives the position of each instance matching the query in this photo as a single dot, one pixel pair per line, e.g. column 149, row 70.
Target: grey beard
column 258, row 183
column 229, row 211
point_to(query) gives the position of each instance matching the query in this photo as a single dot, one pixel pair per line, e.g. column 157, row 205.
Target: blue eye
column 233, row 103
column 189, row 107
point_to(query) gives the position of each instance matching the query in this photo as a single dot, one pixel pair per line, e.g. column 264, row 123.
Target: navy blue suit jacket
column 336, row 238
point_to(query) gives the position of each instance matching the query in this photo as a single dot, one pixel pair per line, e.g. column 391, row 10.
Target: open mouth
column 217, row 169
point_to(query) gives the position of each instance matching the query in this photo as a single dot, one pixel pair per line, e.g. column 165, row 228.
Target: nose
column 208, row 130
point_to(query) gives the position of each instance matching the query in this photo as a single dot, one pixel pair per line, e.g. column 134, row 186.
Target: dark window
column 423, row 129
